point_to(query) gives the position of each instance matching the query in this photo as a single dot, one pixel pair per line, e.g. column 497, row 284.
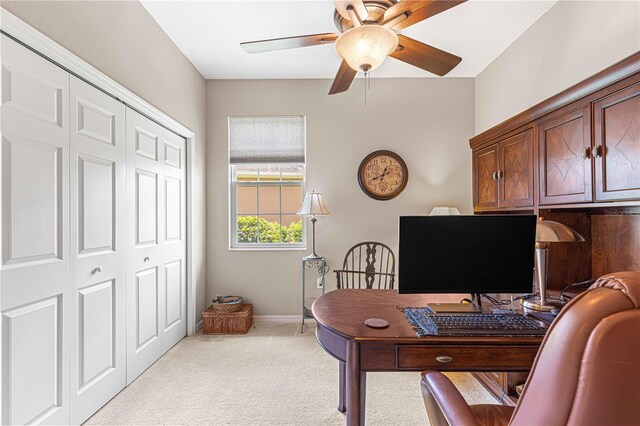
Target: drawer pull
column 444, row 359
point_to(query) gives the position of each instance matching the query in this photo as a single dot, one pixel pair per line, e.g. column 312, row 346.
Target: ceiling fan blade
column 417, row 10
column 424, row 56
column 358, row 7
column 343, row 79
column 288, row 42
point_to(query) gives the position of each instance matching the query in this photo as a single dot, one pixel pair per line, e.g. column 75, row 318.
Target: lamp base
column 312, row 256
column 536, row 304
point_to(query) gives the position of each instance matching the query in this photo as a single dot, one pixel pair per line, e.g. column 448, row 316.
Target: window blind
column 266, row 139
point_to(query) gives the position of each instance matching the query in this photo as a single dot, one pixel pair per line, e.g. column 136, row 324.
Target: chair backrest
column 367, row 265
column 587, row 371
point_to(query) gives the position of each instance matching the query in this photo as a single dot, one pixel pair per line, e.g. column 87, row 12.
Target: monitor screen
column 466, row 254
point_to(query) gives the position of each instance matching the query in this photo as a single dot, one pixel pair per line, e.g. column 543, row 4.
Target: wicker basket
column 227, row 304
column 216, row 322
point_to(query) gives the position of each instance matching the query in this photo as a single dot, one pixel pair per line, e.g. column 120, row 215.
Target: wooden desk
column 341, row 332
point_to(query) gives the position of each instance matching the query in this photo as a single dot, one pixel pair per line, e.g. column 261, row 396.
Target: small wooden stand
column 216, row 322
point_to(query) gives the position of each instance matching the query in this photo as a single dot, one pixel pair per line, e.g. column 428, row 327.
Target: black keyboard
column 482, row 325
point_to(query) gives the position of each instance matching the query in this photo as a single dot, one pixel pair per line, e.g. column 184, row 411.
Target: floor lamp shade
column 313, row 205
column 547, row 232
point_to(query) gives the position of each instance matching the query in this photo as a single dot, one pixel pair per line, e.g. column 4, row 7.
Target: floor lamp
column 313, row 206
column 547, row 232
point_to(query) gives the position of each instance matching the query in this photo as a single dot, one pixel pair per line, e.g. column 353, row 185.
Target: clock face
column 383, row 175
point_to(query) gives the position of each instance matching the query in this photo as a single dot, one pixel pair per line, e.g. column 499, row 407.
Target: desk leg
column 341, row 392
column 356, row 386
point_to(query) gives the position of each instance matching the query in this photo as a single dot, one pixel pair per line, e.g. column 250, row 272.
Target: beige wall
column 123, row 41
column 572, row 41
column 427, row 121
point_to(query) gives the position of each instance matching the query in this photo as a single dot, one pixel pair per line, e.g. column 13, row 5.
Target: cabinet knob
column 598, row 151
column 96, row 270
column 495, row 175
column 500, row 174
column 586, row 153
column 444, row 358
column 146, row 259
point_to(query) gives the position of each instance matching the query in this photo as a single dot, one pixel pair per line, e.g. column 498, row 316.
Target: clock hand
column 384, row 173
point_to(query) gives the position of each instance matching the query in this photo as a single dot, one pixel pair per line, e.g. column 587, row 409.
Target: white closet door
column 156, row 305
column 34, row 278
column 98, row 250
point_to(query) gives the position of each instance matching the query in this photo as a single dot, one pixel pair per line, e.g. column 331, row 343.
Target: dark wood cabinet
column 564, row 146
column 503, row 173
column 616, row 145
column 485, row 181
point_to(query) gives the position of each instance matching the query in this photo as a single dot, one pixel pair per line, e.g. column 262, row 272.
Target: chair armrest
column 444, row 403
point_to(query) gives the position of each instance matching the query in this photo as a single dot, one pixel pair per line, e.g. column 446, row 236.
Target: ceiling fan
column 367, row 37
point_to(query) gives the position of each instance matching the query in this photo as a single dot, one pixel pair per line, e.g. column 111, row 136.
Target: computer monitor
column 466, row 254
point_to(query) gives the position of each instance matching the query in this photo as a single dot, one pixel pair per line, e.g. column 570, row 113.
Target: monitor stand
column 458, row 308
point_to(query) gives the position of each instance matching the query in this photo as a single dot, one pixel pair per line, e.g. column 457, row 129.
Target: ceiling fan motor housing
column 375, row 9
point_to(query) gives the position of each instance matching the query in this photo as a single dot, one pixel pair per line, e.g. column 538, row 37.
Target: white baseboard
column 199, row 325
column 281, row 319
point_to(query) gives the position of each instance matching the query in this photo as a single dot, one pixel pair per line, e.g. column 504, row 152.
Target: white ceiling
column 209, row 34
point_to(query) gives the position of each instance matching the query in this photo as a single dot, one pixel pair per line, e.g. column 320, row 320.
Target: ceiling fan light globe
column 366, row 47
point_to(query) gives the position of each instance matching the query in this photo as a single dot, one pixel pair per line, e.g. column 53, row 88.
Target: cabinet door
column 516, row 172
column 617, row 145
column 565, row 158
column 485, row 183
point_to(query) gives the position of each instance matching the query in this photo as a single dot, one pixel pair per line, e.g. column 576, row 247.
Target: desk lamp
column 444, row 211
column 313, row 206
column 547, row 231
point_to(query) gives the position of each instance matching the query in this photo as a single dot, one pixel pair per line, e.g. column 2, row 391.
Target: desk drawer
column 465, row 358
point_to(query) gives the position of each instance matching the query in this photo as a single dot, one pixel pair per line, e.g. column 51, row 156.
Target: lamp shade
column 313, row 205
column 366, row 47
column 548, row 231
column 444, row 211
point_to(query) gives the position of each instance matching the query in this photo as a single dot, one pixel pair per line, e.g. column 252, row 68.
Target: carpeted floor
column 271, row 376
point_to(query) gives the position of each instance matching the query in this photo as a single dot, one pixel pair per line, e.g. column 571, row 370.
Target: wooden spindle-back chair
column 367, row 265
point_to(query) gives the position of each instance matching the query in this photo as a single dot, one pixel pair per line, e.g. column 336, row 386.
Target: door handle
column 96, row 270
column 146, row 259
column 444, row 359
column 586, row 153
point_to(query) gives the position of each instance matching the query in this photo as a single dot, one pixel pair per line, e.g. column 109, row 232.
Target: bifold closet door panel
column 173, row 235
column 156, row 304
column 98, row 249
column 35, row 287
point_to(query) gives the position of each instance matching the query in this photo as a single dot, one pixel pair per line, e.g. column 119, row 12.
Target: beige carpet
column 271, row 376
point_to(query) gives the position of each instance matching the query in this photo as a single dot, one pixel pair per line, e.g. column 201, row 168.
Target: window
column 267, row 177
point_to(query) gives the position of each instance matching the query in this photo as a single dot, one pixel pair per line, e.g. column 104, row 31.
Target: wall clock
column 383, row 175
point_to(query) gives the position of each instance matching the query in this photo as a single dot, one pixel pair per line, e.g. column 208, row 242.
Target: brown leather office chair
column 587, row 371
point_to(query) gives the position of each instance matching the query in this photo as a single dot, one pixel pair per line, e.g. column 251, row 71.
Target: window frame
column 233, row 212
